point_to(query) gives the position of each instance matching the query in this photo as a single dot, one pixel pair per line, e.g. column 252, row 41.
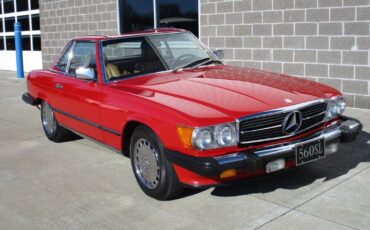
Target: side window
column 63, row 61
column 83, row 55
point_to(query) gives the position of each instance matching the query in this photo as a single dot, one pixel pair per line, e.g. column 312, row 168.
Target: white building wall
column 31, row 60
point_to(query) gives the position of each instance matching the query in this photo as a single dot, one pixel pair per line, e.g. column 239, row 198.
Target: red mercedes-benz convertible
column 183, row 117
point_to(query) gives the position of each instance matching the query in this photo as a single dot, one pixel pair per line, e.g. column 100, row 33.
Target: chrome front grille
column 268, row 126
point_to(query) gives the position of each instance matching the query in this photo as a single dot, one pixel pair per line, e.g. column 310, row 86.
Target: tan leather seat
column 112, row 71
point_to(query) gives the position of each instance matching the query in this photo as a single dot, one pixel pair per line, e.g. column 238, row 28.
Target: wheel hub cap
column 48, row 120
column 146, row 163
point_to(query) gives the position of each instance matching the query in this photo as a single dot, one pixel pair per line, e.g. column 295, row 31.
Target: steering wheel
column 182, row 58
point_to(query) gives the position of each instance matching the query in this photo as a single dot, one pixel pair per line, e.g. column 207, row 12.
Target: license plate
column 310, row 151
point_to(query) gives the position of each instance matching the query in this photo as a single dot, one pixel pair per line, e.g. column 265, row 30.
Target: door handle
column 58, row 86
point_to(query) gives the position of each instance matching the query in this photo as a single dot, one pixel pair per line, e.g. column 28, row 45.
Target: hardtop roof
column 125, row 35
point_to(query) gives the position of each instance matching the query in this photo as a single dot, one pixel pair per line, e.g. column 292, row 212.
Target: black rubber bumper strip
column 209, row 166
column 27, row 98
column 349, row 134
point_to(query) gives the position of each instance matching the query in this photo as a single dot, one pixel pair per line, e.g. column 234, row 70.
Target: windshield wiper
column 207, row 62
column 194, row 63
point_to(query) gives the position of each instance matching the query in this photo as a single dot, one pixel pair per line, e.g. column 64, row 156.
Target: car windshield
column 130, row 57
column 180, row 49
column 153, row 53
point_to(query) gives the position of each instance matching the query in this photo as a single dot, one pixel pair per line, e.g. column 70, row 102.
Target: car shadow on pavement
column 71, row 137
column 349, row 156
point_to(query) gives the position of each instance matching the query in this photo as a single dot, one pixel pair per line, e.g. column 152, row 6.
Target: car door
column 53, row 79
column 80, row 108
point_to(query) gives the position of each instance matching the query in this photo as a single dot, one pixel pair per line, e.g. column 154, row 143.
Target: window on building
column 179, row 14
column 1, row 43
column 26, row 42
column 34, row 4
column 12, row 11
column 136, row 15
column 35, row 22
column 8, row 6
column 9, row 24
column 36, row 40
column 10, row 43
column 25, row 22
column 22, row 5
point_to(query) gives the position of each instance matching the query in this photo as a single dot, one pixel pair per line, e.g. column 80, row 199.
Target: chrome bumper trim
column 326, row 135
column 230, row 158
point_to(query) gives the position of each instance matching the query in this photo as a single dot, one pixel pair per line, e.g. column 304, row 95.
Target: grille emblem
column 292, row 122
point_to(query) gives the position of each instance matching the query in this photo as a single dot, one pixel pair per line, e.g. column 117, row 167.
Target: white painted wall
column 31, row 60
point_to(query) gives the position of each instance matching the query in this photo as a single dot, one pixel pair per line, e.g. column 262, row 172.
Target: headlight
column 212, row 137
column 341, row 105
column 225, row 134
column 332, row 110
column 203, row 138
column 336, row 106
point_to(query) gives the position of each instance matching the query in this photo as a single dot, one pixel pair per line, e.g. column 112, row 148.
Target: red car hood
column 233, row 91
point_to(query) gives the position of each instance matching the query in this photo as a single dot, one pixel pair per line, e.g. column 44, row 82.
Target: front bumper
column 256, row 160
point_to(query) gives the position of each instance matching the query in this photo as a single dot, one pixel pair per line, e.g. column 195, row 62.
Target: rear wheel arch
column 40, row 98
column 39, row 101
column 51, row 127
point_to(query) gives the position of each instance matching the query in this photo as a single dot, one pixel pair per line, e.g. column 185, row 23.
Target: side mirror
column 219, row 54
column 85, row 73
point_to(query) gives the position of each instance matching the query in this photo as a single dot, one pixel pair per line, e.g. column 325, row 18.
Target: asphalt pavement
column 81, row 185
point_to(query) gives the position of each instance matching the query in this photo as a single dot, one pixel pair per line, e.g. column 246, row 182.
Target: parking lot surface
column 81, row 185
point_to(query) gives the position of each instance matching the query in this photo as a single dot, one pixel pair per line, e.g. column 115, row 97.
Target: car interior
column 122, row 62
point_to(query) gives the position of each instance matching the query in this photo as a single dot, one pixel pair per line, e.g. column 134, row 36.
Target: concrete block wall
column 322, row 40
column 61, row 20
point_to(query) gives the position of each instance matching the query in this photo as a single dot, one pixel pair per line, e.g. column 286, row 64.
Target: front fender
column 166, row 131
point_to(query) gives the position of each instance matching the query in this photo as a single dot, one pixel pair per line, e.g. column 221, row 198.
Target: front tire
column 155, row 175
column 52, row 129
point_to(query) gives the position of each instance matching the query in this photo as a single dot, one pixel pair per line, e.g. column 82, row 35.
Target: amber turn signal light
column 228, row 173
column 185, row 134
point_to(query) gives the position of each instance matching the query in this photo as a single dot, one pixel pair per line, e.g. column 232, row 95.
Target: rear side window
column 63, row 61
column 83, row 55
